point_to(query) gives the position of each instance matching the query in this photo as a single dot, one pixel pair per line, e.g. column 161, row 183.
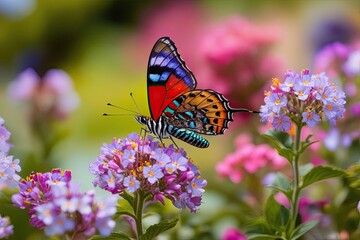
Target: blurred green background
column 104, row 46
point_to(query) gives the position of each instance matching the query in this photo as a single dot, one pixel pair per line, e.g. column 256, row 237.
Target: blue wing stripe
column 165, row 60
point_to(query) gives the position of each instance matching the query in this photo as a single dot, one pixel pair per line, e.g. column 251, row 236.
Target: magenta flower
column 156, row 170
column 314, row 210
column 6, row 229
column 248, row 159
column 59, row 207
column 331, row 58
column 310, row 98
column 308, row 210
column 355, row 109
column 52, row 95
column 233, row 234
column 352, row 65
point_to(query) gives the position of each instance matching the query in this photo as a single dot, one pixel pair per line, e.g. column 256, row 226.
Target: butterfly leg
column 174, row 142
column 161, row 140
column 144, row 137
column 147, row 131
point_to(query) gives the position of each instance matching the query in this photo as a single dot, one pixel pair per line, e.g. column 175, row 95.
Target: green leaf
column 129, row 198
column 304, row 169
column 281, row 184
column 262, row 237
column 279, row 137
column 302, row 229
column 286, row 153
column 282, row 142
column 154, row 230
column 276, row 215
column 320, row 173
column 308, row 138
column 113, row 236
column 305, row 145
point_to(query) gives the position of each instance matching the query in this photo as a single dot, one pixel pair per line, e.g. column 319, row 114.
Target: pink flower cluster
column 236, row 59
column 248, row 158
column 233, row 234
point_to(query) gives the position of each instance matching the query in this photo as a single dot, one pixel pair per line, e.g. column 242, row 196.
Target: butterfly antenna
column 112, row 105
column 133, row 99
column 111, row 115
column 243, row 110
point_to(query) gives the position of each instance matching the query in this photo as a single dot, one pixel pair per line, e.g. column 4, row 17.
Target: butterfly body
column 177, row 108
column 162, row 130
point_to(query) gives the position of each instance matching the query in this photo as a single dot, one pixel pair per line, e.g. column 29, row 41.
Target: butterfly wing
column 168, row 77
column 202, row 111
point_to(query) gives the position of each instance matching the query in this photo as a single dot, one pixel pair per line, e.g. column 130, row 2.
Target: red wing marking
column 161, row 96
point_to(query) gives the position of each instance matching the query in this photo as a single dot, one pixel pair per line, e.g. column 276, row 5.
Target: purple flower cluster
column 133, row 164
column 8, row 170
column 302, row 98
column 8, row 176
column 57, row 205
column 4, row 137
column 5, row 228
column 52, row 95
column 8, row 165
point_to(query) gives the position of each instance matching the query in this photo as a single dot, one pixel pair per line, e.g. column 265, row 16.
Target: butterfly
column 177, row 108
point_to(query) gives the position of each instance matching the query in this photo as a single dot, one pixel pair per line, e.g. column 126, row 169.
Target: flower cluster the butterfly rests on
column 57, row 205
column 134, row 164
column 303, row 99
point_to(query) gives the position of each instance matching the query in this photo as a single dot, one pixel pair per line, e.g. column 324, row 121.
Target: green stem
column 138, row 210
column 296, row 179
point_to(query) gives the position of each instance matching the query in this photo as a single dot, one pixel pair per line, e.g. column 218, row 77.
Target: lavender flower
column 8, row 170
column 302, row 98
column 8, row 165
column 53, row 95
column 5, row 228
column 59, row 207
column 134, row 163
column 4, row 137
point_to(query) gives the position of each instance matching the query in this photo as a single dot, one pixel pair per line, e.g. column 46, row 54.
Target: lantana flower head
column 59, row 207
column 135, row 164
column 304, row 99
